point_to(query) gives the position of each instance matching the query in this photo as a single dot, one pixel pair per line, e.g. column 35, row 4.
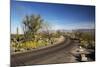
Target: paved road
column 61, row 55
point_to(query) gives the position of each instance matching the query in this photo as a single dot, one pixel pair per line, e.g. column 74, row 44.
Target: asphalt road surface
column 65, row 54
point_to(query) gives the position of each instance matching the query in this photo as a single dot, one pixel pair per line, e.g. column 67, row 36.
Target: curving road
column 58, row 54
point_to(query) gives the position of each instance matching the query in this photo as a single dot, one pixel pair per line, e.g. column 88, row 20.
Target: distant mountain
column 84, row 30
column 76, row 30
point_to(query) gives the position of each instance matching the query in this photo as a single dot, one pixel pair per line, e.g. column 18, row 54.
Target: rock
column 83, row 57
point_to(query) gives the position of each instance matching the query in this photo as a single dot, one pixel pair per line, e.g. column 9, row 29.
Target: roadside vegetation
column 87, row 39
column 36, row 33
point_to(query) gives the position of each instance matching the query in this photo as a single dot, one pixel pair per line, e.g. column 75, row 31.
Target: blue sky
column 59, row 16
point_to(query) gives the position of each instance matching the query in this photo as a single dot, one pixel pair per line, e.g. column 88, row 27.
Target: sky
column 59, row 16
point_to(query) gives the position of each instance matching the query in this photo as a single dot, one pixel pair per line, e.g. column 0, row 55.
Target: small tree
column 31, row 24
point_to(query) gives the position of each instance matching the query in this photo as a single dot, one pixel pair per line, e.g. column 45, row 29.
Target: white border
column 82, row 2
column 5, row 33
